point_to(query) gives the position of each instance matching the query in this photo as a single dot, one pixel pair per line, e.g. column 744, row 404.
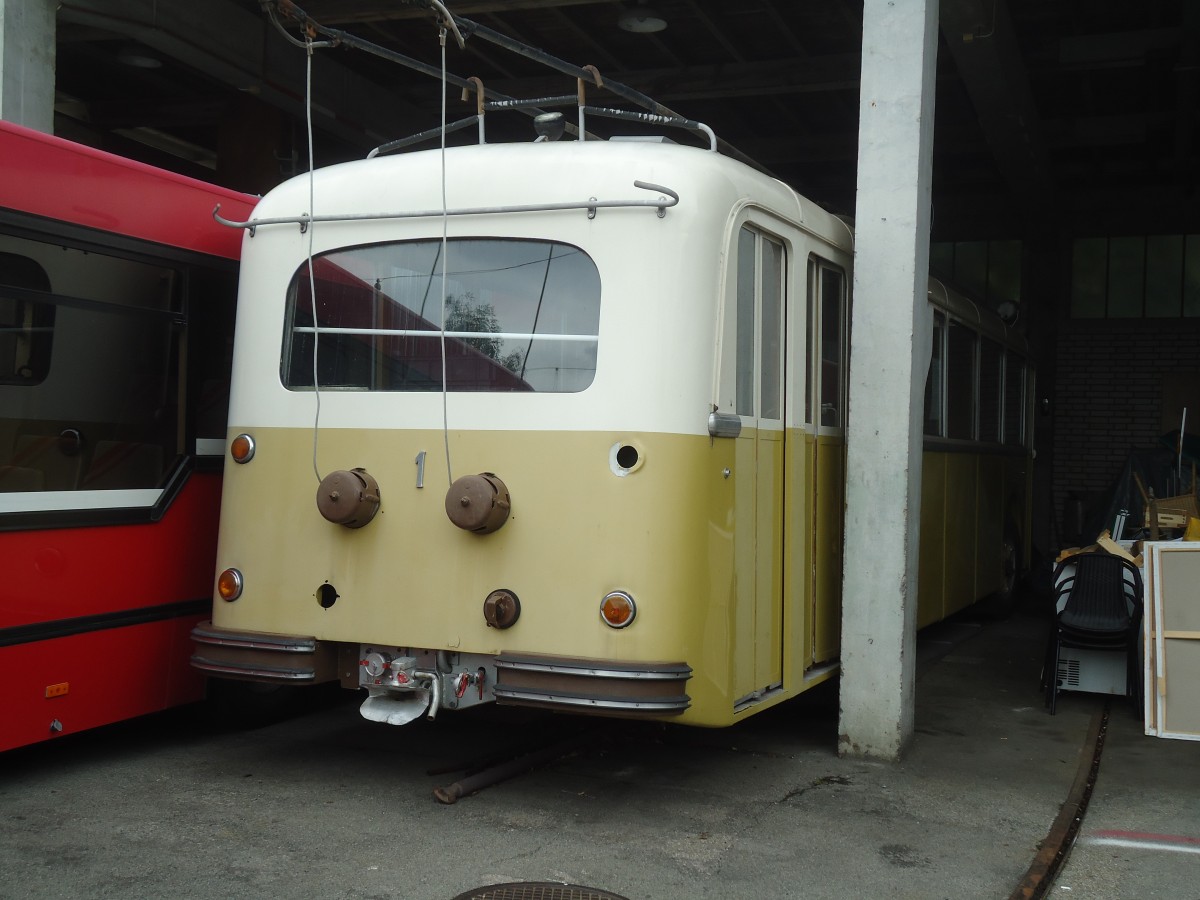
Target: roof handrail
column 668, row 199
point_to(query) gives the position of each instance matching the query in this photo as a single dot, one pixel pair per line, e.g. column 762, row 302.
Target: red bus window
column 26, row 324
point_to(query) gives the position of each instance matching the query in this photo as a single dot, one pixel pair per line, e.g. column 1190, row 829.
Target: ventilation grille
column 1068, row 673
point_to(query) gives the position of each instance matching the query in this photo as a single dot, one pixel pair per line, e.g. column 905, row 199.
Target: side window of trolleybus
column 518, row 315
column 991, row 360
column 89, row 369
column 1014, row 400
column 960, row 382
column 935, row 384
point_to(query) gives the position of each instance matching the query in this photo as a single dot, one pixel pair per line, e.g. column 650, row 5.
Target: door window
column 826, row 336
column 760, row 274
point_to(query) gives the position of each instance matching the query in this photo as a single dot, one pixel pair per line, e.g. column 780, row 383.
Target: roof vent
column 549, row 126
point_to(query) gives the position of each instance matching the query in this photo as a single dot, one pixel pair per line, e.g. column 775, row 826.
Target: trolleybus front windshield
column 520, row 315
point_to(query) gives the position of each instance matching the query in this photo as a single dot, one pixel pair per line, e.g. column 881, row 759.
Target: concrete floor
column 329, row 805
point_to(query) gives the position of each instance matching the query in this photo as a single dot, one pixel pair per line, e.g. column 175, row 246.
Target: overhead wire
column 445, row 255
column 312, row 279
column 446, row 23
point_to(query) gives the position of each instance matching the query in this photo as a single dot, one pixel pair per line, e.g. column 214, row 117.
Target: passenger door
column 825, row 416
column 759, row 456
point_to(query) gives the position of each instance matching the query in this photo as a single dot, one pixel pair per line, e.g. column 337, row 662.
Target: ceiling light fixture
column 642, row 19
column 137, row 58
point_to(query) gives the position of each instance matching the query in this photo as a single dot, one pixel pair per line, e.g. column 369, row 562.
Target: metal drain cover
column 537, row 890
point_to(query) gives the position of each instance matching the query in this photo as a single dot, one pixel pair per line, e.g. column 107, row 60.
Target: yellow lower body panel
column 582, row 523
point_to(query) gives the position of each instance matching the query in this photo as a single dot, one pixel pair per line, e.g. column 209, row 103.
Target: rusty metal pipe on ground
column 503, row 771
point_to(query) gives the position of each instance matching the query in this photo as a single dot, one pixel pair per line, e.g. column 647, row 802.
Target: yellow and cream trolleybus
column 561, row 424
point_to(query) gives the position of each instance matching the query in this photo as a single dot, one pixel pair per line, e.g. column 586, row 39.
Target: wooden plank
column 1176, row 571
column 1150, row 684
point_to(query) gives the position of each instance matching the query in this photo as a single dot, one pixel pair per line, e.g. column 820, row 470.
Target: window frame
column 750, row 324
column 295, row 366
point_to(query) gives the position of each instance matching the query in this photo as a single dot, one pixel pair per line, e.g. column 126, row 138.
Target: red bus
column 117, row 300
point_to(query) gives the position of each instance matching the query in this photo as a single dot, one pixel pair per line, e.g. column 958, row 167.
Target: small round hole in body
column 327, row 595
column 625, row 457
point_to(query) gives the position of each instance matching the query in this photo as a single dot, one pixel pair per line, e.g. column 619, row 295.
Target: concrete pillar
column 27, row 36
column 891, row 336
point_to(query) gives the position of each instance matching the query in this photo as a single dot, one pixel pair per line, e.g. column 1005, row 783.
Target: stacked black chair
column 1102, row 611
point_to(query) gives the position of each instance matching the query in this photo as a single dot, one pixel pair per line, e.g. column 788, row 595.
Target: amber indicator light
column 241, row 448
column 229, row 585
column 617, row 609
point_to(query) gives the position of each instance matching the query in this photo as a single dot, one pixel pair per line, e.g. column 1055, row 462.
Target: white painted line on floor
column 1140, row 840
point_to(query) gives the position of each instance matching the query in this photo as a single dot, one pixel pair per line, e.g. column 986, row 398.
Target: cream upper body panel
column 661, row 277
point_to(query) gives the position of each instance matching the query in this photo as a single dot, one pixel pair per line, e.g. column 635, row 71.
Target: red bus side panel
column 95, row 581
column 73, row 183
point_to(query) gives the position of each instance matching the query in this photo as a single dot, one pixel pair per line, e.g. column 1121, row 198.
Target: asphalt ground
column 328, row 805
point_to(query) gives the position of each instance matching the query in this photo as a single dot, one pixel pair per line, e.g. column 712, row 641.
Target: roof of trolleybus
column 528, row 174
column 70, row 182
column 655, row 269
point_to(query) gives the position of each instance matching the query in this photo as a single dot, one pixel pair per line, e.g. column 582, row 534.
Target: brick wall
column 1108, row 398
